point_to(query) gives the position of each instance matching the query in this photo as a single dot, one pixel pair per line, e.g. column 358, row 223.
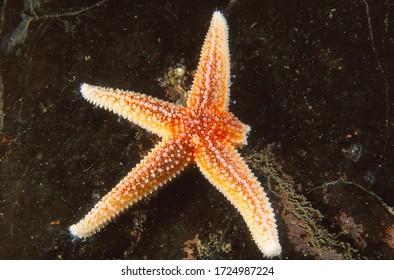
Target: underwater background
column 313, row 79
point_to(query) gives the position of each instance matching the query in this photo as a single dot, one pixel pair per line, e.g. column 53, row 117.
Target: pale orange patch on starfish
column 204, row 132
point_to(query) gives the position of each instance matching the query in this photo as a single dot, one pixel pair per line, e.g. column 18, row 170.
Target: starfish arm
column 165, row 161
column 153, row 114
column 226, row 170
column 211, row 83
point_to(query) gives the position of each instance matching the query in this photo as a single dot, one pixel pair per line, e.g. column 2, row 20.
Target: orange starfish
column 203, row 131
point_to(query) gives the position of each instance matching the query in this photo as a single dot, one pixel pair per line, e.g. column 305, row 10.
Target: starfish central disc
column 212, row 127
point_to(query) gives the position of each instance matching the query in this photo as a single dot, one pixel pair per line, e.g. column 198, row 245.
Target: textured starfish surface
column 203, row 132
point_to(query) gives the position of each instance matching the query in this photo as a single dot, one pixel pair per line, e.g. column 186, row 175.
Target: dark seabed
column 314, row 80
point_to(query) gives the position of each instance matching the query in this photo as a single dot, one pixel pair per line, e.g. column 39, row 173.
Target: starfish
column 203, row 132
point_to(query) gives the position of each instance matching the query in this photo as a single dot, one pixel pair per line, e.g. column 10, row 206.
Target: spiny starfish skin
column 203, row 132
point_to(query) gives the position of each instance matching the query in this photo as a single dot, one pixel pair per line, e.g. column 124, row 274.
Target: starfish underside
column 203, row 132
